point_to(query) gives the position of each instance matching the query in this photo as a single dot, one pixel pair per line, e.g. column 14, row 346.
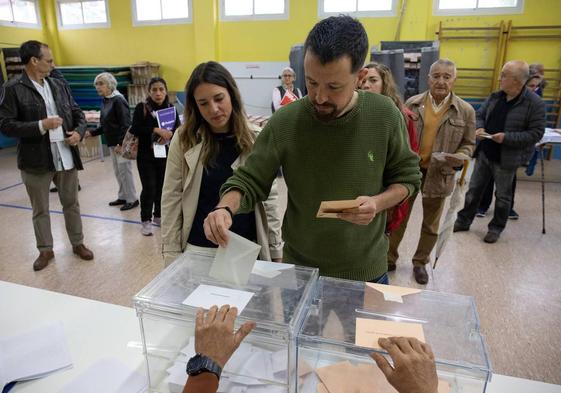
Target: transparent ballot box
column 346, row 318
column 274, row 295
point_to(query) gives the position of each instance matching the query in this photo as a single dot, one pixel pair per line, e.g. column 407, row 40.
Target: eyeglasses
column 286, row 75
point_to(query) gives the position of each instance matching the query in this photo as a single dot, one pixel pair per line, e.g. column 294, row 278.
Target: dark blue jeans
column 383, row 279
column 485, row 170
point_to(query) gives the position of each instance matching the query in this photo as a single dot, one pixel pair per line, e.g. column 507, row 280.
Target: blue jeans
column 383, row 279
column 485, row 170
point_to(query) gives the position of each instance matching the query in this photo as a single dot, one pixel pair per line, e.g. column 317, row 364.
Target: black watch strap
column 199, row 364
column 225, row 208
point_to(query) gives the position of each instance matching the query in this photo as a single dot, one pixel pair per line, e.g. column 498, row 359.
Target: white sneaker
column 157, row 221
column 146, row 228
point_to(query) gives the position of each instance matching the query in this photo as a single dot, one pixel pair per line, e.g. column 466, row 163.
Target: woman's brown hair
column 389, row 88
column 196, row 130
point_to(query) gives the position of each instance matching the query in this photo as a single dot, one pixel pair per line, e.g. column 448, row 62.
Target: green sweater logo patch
column 371, row 155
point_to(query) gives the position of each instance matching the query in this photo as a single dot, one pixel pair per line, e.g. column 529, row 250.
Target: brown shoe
column 83, row 252
column 421, row 275
column 43, row 260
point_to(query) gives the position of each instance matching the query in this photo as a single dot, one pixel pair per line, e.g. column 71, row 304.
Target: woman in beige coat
column 214, row 141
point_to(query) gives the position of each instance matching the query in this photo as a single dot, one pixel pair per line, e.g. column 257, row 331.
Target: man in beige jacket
column 446, row 133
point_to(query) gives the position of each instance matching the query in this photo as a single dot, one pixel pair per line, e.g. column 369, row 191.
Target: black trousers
column 151, row 171
column 487, row 196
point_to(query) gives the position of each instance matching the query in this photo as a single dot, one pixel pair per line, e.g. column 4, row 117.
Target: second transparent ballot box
column 346, row 318
column 274, row 295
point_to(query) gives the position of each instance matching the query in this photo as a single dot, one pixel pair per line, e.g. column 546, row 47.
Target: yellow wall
column 14, row 36
column 178, row 48
column 169, row 45
column 239, row 40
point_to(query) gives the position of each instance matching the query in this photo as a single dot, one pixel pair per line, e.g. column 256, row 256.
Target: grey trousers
column 37, row 185
column 123, row 173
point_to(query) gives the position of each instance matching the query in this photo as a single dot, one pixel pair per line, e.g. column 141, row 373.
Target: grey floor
column 515, row 282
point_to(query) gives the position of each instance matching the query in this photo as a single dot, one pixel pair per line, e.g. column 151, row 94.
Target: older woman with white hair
column 286, row 88
column 114, row 121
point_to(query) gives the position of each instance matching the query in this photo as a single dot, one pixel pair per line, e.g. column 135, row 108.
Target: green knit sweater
column 360, row 153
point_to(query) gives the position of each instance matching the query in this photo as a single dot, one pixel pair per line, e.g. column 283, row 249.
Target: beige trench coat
column 180, row 196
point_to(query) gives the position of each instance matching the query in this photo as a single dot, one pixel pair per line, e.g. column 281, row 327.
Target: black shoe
column 491, row 237
column 54, row 189
column 513, row 215
column 128, row 206
column 460, row 227
column 79, row 187
column 421, row 275
column 117, row 202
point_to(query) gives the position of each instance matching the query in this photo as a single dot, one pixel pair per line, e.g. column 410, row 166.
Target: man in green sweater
column 335, row 144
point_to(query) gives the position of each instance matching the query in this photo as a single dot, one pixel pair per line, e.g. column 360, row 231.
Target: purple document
column 166, row 118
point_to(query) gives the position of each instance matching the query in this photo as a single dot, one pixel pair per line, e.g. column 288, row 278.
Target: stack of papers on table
column 34, row 354
column 250, row 370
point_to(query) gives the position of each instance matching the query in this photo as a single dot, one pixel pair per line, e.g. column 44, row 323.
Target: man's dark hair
column 30, row 49
column 338, row 36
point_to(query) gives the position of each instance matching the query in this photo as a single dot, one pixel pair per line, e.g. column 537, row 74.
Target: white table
column 96, row 330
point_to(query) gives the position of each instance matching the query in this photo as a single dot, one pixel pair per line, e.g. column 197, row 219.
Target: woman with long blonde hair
column 213, row 142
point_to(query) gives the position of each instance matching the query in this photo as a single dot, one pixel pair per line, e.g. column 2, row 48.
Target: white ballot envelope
column 234, row 263
column 159, row 150
column 56, row 134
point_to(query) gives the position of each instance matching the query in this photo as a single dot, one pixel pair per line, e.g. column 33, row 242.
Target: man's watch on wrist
column 200, row 363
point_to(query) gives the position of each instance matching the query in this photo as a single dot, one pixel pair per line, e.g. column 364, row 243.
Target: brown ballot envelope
column 344, row 377
column 329, row 209
column 368, row 331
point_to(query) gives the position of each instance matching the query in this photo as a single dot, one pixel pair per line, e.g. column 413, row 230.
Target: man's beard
column 326, row 116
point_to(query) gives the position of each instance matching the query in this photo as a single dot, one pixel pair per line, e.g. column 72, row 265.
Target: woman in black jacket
column 151, row 159
column 114, row 121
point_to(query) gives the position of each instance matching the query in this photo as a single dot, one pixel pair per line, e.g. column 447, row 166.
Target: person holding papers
column 154, row 122
column 446, row 132
column 286, row 92
column 214, row 141
column 509, row 123
column 335, row 144
column 114, row 122
column 41, row 113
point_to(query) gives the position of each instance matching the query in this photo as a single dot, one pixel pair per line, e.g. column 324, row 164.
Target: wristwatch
column 225, row 208
column 200, row 364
